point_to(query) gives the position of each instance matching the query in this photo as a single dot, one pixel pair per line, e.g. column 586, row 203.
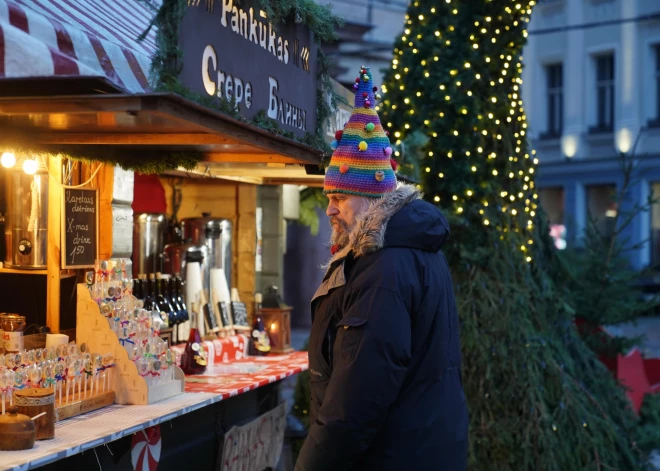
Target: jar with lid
column 12, row 326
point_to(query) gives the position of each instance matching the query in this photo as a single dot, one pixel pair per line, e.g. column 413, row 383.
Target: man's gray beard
column 339, row 237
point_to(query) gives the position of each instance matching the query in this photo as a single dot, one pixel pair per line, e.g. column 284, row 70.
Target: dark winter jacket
column 384, row 352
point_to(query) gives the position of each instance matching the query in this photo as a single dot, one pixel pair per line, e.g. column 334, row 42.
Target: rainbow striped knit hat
column 361, row 163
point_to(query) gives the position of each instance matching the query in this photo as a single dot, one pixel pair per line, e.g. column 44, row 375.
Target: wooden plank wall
column 227, row 200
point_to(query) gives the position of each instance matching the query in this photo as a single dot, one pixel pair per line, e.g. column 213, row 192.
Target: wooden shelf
column 12, row 271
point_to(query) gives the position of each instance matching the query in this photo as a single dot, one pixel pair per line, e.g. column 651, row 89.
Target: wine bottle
column 193, row 360
column 165, row 308
column 178, row 314
column 137, row 289
column 149, row 303
column 185, row 317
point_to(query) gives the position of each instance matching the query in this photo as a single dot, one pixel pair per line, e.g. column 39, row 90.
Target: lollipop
column 34, row 374
column 170, row 358
column 155, row 371
column 88, row 373
column 3, row 387
column 70, row 378
column 108, row 360
column 98, row 366
column 11, row 379
column 19, row 383
column 59, row 372
column 9, row 361
column 142, row 366
column 76, row 377
column 48, row 375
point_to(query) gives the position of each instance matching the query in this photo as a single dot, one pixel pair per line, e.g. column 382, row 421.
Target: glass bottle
column 193, row 360
column 178, row 310
column 166, row 310
column 149, row 303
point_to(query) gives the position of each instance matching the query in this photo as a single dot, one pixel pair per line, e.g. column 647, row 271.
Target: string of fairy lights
column 504, row 128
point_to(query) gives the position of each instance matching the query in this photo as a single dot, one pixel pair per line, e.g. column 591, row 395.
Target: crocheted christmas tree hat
column 361, row 163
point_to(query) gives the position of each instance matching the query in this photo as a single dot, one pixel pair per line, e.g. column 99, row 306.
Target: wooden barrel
column 34, row 401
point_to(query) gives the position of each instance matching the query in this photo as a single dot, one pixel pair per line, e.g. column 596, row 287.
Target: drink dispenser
column 148, row 243
column 215, row 234
column 26, row 222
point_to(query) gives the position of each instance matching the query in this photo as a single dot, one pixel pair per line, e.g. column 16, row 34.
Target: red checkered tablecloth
column 272, row 368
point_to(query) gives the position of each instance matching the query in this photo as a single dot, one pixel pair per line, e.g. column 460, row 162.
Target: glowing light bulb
column 8, row 160
column 30, row 166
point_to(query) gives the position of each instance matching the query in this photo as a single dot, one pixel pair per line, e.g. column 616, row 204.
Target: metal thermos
column 26, row 222
column 148, row 243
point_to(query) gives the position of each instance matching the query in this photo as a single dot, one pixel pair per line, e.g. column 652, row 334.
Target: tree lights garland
column 483, row 156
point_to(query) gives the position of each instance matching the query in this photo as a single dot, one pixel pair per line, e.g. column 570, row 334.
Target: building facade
column 591, row 85
column 367, row 37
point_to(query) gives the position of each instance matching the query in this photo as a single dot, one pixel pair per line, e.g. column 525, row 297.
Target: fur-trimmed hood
column 398, row 219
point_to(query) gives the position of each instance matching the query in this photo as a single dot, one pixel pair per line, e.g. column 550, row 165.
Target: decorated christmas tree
column 538, row 397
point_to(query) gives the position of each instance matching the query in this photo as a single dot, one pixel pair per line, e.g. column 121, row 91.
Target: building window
column 657, row 82
column 602, row 208
column 552, row 202
column 555, row 99
column 604, row 93
column 655, row 226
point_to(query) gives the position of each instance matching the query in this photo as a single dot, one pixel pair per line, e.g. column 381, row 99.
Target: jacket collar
column 368, row 234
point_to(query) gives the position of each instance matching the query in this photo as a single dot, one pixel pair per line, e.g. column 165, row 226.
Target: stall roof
column 78, row 38
column 85, row 57
column 157, row 119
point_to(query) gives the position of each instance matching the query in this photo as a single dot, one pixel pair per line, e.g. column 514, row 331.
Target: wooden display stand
column 84, row 405
column 129, row 387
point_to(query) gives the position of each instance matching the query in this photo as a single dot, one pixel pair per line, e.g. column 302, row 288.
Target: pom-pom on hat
column 360, row 164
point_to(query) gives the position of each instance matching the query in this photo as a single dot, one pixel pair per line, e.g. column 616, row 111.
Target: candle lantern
column 276, row 315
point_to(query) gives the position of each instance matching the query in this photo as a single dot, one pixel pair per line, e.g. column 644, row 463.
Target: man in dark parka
column 384, row 350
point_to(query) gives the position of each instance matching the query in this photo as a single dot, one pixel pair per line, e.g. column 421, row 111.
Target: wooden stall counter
column 220, row 382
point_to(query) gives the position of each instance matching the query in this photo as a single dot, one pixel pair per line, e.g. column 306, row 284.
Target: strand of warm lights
column 8, row 160
column 513, row 169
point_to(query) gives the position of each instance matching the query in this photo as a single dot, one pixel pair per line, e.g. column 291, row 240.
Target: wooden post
column 53, row 252
column 246, row 235
column 105, row 183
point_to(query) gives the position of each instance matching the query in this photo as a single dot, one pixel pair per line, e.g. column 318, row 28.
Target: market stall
column 88, row 155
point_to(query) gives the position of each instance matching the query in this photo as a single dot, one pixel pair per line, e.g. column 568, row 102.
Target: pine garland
column 145, row 161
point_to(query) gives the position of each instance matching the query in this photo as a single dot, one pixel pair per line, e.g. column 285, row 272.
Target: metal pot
column 26, row 224
column 148, row 243
column 216, row 235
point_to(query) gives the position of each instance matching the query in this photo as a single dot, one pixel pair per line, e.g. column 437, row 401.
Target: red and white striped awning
column 46, row 38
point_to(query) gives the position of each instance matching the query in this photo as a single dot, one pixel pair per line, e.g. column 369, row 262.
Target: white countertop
column 111, row 423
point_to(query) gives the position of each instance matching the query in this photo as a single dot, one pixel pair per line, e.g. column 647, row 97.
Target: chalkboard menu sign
column 239, row 311
column 224, row 314
column 80, row 227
